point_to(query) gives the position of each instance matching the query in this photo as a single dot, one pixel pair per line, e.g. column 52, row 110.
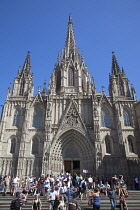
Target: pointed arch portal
column 72, row 152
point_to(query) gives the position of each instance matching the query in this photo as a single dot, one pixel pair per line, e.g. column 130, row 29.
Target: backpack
column 83, row 186
column 15, row 204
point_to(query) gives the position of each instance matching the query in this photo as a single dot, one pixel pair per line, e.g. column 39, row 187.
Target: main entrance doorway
column 72, row 166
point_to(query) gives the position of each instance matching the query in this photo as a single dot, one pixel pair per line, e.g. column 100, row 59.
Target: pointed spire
column 26, row 67
column 133, row 92
column 70, row 40
column 59, row 58
column 115, row 65
column 44, row 88
column 123, row 72
column 39, row 87
column 93, row 88
column 19, row 72
column 103, row 89
column 82, row 58
column 70, row 18
column 9, row 91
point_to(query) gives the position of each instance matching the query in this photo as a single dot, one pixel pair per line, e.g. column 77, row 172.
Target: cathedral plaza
column 69, row 126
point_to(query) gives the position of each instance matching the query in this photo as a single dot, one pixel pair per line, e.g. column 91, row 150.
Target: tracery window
column 35, row 146
column 130, row 144
column 83, row 81
column 13, row 146
column 70, row 77
column 37, row 118
column 16, row 120
column 22, row 88
column 120, row 89
column 127, row 119
column 108, row 145
column 105, row 118
column 58, row 80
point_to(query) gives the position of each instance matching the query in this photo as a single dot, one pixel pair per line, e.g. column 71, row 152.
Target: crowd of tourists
column 61, row 190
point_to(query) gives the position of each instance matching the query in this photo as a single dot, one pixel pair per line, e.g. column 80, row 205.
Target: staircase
column 133, row 202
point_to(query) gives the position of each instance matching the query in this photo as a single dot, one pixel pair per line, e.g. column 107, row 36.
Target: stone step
column 83, row 205
column 133, row 202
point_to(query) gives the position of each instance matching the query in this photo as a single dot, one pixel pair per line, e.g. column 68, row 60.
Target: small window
column 37, row 118
column 127, row 119
column 58, row 80
column 22, row 88
column 35, row 146
column 83, row 81
column 120, row 89
column 131, row 145
column 108, row 145
column 105, row 118
column 70, row 77
column 16, row 120
column 13, row 146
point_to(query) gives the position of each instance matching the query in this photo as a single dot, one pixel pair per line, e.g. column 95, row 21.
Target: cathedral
column 69, row 126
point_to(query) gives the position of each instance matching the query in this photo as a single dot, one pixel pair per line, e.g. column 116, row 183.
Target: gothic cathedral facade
column 70, row 127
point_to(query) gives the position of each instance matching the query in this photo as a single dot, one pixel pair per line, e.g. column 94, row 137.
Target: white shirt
column 52, row 195
column 90, row 179
column 15, row 180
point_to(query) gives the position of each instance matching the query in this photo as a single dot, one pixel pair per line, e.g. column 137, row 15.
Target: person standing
column 83, row 189
column 62, row 203
column 56, row 202
column 90, row 183
column 14, row 184
column 112, row 197
column 63, row 190
column 122, row 198
column 96, row 199
column 6, row 183
column 36, row 203
column 52, row 196
column 136, row 182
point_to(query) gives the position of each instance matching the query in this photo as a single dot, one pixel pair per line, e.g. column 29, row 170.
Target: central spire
column 70, row 47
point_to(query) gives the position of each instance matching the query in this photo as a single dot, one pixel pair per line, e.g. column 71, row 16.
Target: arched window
column 108, row 145
column 83, row 81
column 35, row 146
column 16, row 120
column 105, row 118
column 127, row 119
column 120, row 89
column 37, row 118
column 130, row 144
column 70, row 77
column 58, row 80
column 13, row 146
column 22, row 88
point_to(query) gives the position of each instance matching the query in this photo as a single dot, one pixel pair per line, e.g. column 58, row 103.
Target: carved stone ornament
column 72, row 119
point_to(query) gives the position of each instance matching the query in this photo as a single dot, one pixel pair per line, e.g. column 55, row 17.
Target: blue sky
column 100, row 27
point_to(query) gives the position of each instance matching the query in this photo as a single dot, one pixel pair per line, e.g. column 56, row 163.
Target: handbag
column 90, row 202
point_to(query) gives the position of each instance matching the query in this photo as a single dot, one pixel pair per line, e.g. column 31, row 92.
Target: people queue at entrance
column 61, row 190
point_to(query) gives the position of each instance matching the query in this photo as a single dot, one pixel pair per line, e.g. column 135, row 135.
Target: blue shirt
column 96, row 200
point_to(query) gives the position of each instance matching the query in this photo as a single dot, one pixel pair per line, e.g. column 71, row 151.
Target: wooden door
column 67, row 166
